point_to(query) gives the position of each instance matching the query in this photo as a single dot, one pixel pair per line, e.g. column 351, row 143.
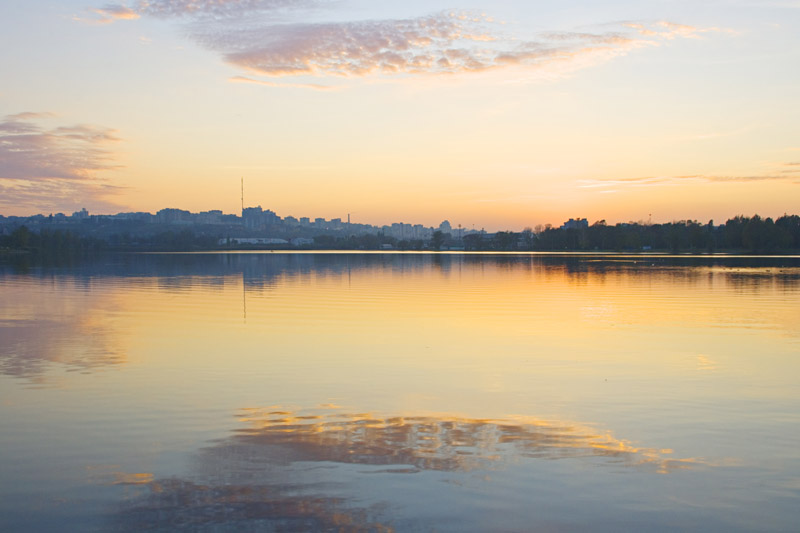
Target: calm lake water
column 380, row 392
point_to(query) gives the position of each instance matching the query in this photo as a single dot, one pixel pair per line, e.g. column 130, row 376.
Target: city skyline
column 258, row 218
column 502, row 115
column 250, row 218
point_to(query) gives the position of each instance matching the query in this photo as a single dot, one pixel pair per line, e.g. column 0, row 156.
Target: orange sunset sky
column 498, row 114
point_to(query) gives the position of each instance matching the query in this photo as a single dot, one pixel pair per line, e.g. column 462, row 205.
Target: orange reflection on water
column 430, row 442
column 668, row 356
column 141, row 478
column 408, row 323
column 264, row 473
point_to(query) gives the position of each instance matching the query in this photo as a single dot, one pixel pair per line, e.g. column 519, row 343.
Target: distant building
column 174, row 216
column 575, row 223
column 209, row 217
column 257, row 218
column 80, row 215
column 230, row 219
column 252, row 240
column 397, row 230
column 445, row 227
column 139, row 216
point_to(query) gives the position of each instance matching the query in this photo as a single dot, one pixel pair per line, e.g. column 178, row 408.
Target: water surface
column 425, row 392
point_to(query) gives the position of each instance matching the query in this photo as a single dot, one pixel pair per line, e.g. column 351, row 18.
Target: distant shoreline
column 740, row 235
column 10, row 253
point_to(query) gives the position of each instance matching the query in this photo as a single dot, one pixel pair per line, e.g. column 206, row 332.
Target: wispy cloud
column 443, row 43
column 46, row 165
column 316, row 86
column 29, row 115
column 647, row 181
column 789, row 4
column 166, row 9
column 108, row 14
column 793, row 168
column 30, row 151
column 436, row 43
column 54, row 195
column 257, row 37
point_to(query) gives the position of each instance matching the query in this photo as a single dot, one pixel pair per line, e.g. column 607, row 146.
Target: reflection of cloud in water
column 425, row 443
column 175, row 504
column 704, row 363
column 30, row 346
column 284, row 469
column 140, row 478
column 40, row 328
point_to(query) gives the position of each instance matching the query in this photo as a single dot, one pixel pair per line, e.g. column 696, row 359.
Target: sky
column 495, row 115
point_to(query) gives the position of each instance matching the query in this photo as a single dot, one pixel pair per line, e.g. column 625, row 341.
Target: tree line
column 65, row 242
column 739, row 234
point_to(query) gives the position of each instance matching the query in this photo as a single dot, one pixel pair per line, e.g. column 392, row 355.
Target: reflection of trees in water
column 264, row 474
column 751, row 279
column 264, row 270
column 739, row 272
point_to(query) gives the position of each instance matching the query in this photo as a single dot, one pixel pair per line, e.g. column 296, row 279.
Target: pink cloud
column 112, row 12
column 348, row 49
column 644, row 181
column 29, row 151
column 46, row 165
column 194, row 8
column 315, row 86
column 247, row 35
column 54, row 195
column 444, row 43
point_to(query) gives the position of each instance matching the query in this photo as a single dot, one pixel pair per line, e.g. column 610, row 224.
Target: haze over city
column 496, row 114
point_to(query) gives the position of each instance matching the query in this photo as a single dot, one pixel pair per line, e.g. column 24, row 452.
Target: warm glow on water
column 400, row 391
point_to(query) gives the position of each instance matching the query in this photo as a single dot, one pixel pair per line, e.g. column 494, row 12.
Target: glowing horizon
column 497, row 116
